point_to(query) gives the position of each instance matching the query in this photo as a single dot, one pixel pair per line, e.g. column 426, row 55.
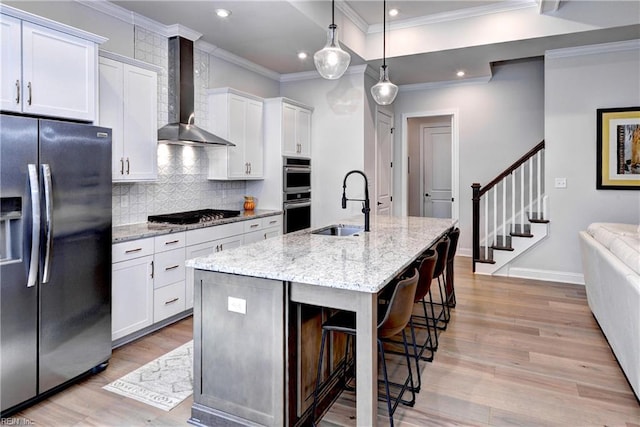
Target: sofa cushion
column 623, row 240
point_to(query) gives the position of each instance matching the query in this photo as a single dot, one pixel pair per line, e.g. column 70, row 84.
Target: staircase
column 509, row 213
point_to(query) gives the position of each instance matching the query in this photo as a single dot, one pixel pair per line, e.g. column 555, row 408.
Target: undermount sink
column 340, row 230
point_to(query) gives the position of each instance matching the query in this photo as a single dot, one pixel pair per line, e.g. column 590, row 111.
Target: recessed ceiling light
column 460, row 73
column 393, row 12
column 223, row 13
column 302, row 55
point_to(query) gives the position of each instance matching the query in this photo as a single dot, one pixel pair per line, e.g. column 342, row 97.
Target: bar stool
column 426, row 270
column 442, row 249
column 449, row 287
column 395, row 320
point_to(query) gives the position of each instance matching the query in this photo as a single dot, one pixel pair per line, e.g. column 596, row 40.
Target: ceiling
column 270, row 33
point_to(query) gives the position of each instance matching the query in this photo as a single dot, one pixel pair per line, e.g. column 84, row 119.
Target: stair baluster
column 493, row 238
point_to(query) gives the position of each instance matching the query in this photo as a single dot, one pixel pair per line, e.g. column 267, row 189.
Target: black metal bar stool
column 393, row 322
column 442, row 248
column 451, row 254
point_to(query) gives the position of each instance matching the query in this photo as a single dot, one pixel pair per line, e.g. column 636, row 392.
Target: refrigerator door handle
column 35, row 226
column 48, row 206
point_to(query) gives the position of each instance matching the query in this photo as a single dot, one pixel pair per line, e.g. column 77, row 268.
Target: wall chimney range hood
column 181, row 129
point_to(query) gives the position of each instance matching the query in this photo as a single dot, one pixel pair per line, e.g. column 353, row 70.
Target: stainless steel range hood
column 181, row 129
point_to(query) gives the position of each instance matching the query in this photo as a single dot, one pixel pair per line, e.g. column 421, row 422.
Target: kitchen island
column 245, row 299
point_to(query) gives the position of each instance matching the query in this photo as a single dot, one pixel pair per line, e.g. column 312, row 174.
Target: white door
column 111, row 112
column 436, row 172
column 384, row 167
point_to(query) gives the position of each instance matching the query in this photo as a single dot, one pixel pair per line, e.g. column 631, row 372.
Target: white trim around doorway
column 454, row 114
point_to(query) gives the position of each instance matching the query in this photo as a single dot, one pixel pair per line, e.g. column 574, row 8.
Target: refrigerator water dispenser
column 10, row 229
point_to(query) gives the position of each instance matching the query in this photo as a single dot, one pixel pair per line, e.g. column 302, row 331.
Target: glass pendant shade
column 331, row 61
column 384, row 92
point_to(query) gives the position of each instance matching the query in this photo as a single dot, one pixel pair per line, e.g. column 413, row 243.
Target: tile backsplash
column 182, row 171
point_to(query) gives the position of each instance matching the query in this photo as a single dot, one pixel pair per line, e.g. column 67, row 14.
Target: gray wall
column 575, row 87
column 499, row 121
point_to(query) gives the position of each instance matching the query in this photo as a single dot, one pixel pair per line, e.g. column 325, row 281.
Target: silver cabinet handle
column 130, row 251
column 29, row 98
column 254, row 225
column 171, row 242
column 35, row 225
column 153, row 269
column 171, row 301
column 17, row 91
column 48, row 207
column 220, row 246
column 173, row 267
column 121, row 166
column 217, row 248
column 265, row 236
column 128, row 166
column 273, row 222
column 249, row 168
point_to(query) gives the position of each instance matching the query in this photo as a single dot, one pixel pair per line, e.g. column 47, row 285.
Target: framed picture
column 618, row 149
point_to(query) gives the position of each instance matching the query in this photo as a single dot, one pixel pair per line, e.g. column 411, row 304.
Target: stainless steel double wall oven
column 297, row 194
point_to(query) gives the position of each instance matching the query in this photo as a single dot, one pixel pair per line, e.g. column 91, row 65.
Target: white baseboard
column 532, row 273
column 546, row 275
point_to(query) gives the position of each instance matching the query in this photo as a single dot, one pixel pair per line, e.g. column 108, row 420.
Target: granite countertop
column 123, row 233
column 364, row 262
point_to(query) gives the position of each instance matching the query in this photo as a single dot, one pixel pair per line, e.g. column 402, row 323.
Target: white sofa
column 611, row 266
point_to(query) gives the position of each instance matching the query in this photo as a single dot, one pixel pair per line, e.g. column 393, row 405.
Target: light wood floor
column 516, row 353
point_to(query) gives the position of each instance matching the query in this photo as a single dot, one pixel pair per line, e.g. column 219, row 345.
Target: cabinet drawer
column 168, row 242
column 132, row 249
column 201, row 235
column 169, row 267
column 252, row 225
column 272, row 221
column 168, row 301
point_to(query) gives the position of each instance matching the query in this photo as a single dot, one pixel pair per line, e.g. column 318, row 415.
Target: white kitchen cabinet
column 48, row 69
column 262, row 229
column 295, row 127
column 208, row 247
column 237, row 117
column 169, row 275
column 128, row 105
column 131, row 287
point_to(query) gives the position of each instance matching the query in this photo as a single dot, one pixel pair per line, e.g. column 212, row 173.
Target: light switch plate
column 237, row 305
column 561, row 182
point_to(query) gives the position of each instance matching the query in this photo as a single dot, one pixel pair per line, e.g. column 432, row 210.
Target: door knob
column 426, row 195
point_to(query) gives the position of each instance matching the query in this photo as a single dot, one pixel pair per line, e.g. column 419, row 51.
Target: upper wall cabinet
column 237, row 117
column 293, row 127
column 48, row 69
column 128, row 105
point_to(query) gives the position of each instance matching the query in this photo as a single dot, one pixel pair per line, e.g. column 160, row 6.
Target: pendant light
column 384, row 92
column 331, row 61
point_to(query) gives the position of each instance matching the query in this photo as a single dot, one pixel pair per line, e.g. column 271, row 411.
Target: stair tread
column 537, row 218
column 501, row 248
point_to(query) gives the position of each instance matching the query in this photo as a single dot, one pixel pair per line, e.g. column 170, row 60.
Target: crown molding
column 237, row 60
column 448, row 83
column 353, row 16
column 310, row 75
column 473, row 12
column 593, row 49
column 110, row 9
column 182, row 31
column 54, row 25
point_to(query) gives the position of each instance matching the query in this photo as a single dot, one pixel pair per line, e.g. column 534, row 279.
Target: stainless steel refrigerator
column 55, row 255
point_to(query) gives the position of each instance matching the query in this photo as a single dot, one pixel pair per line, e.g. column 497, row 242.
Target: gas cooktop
column 193, row 217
